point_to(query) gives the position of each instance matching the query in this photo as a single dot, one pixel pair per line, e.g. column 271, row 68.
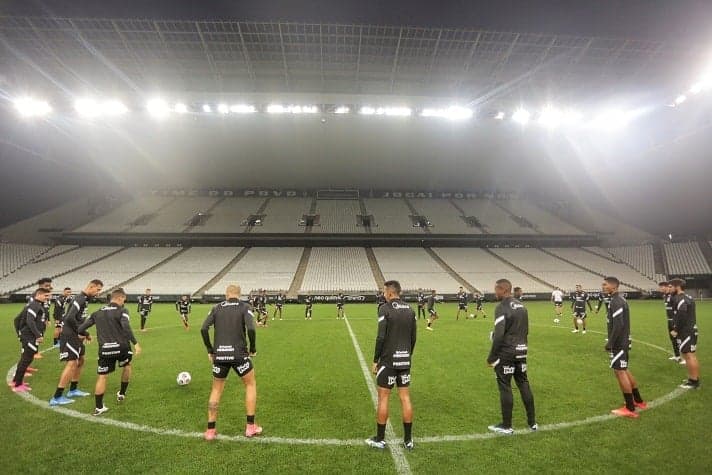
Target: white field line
column 397, row 452
column 392, row 441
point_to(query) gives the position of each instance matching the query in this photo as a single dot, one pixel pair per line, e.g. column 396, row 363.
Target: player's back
column 401, row 328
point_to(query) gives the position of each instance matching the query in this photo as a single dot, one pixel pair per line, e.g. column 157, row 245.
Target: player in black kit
column 113, row 331
column 183, row 306
column 145, row 304
column 232, row 320
column 667, row 294
column 392, row 360
column 433, row 314
column 508, row 356
column 340, row 300
column 30, row 326
column 260, row 307
column 618, row 325
column 58, row 314
column 71, row 345
column 479, row 300
column 685, row 330
column 308, row 307
column 579, row 300
column 278, row 304
column 603, row 300
column 421, row 303
column 43, row 283
column 380, row 299
column 461, row 303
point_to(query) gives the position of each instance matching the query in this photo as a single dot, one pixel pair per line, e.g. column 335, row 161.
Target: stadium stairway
column 463, row 214
column 659, row 258
column 299, row 274
column 364, row 212
column 259, row 211
column 415, row 213
column 519, row 269
column 72, row 269
column 217, row 277
column 150, row 269
column 375, row 268
column 576, row 264
column 513, row 216
column 470, row 288
column 706, row 250
column 43, row 257
column 207, row 211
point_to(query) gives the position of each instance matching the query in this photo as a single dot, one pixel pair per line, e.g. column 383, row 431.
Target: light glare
column 28, row 107
column 521, row 116
column 207, row 108
column 223, row 108
column 157, row 108
column 180, row 108
column 342, row 110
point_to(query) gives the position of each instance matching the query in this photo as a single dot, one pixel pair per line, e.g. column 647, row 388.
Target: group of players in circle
column 234, row 322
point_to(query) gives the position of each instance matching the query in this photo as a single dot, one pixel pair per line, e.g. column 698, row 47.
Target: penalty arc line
column 327, row 442
column 397, row 453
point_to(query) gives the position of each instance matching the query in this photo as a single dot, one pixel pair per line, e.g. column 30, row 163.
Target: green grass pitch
column 311, row 386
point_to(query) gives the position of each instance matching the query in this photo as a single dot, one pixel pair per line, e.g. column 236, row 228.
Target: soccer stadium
column 472, row 197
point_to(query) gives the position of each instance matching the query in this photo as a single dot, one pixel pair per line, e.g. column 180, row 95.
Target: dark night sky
column 685, row 21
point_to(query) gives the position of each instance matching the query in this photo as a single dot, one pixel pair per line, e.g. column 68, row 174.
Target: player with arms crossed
column 685, row 330
column 30, row 326
column 421, row 303
column 461, row 303
column 145, row 304
column 231, row 319
column 183, row 306
column 579, row 300
column 308, row 307
column 395, row 343
column 508, row 356
column 340, row 300
column 278, row 304
column 617, row 345
column 557, row 296
column 71, row 345
column 667, row 294
column 113, row 331
column 58, row 314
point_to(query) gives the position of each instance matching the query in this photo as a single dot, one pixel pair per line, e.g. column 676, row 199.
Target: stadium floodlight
column 696, row 88
column 87, row 107
column 29, row 107
column 223, row 108
column 367, row 110
column 550, row 117
column 450, row 113
column 342, row 110
column 571, row 117
column 499, row 115
column 394, row 111
column 242, row 109
column 680, row 99
column 612, row 119
column 521, row 116
column 158, row 108
column 276, row 109
column 113, row 107
column 207, row 108
column 308, row 109
column 180, row 108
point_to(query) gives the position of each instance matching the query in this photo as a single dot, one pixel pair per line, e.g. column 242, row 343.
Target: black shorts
column 687, row 343
column 558, row 304
column 70, row 349
column 278, row 305
column 241, row 367
column 579, row 313
column 619, row 359
column 388, row 377
column 462, row 306
column 505, row 370
column 107, row 364
column 184, row 316
column 479, row 306
column 144, row 313
column 432, row 312
column 339, row 305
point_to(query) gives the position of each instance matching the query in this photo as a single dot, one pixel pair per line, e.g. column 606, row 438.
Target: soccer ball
column 183, row 378
column 472, row 315
column 579, row 321
column 556, row 320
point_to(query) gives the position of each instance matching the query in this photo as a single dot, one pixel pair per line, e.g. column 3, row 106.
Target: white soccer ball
column 183, row 378
column 557, row 321
column 472, row 315
column 579, row 321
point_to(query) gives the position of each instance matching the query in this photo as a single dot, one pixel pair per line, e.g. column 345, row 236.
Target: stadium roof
column 76, row 55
